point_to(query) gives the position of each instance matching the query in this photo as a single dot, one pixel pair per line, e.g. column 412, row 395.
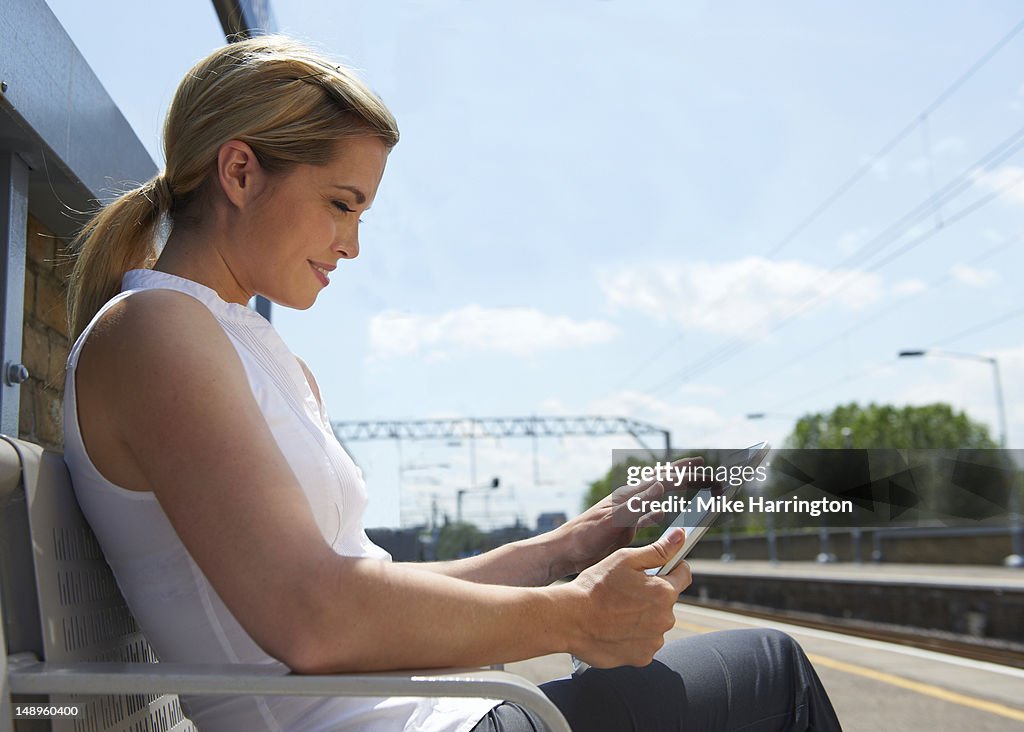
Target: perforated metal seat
column 69, row 631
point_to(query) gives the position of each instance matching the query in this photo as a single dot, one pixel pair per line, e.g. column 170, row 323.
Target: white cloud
column 993, row 236
column 971, row 276
column 737, row 297
column 879, row 167
column 949, row 146
column 1017, row 103
column 909, row 287
column 849, row 241
column 513, row 331
column 692, row 426
column 553, row 405
column 946, row 147
column 1007, row 179
column 700, row 390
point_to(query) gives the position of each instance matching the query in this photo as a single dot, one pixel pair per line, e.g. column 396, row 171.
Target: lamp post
column 769, row 518
column 1016, row 557
column 770, row 415
column 495, row 482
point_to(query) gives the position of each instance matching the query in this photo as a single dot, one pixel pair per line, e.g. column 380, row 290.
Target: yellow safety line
column 693, row 627
column 926, row 689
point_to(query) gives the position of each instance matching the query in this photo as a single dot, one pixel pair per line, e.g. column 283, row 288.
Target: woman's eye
column 344, row 207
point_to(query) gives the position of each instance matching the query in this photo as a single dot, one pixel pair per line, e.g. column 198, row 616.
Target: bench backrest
column 81, row 614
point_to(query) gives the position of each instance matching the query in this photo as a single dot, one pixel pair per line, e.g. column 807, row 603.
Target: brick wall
column 44, row 338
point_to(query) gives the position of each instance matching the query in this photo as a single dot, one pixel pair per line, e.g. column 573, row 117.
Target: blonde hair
column 290, row 104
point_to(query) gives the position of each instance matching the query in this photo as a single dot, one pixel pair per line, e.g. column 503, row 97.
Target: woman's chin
column 294, row 302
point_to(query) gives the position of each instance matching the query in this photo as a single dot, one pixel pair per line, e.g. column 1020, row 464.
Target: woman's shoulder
column 162, row 321
column 143, row 313
column 153, row 336
column 143, row 360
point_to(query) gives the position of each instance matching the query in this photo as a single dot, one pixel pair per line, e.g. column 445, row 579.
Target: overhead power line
column 955, row 187
column 861, row 373
column 765, row 373
column 919, row 119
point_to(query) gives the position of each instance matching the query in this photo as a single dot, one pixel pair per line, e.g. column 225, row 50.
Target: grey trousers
column 748, row 680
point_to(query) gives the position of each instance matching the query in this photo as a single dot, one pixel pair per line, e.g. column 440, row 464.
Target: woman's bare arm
column 188, row 417
column 533, row 562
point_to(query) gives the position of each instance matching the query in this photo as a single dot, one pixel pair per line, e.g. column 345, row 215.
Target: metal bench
column 69, row 636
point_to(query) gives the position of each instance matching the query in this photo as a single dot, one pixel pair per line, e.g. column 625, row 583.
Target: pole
column 401, row 516
column 1000, row 404
column 1015, row 558
column 472, row 453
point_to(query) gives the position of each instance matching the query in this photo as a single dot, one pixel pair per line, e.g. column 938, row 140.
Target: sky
column 677, row 212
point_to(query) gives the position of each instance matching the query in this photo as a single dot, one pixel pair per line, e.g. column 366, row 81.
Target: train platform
column 954, row 575
column 873, row 684
column 967, row 610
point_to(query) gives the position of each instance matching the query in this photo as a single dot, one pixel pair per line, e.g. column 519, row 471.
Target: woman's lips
column 320, row 274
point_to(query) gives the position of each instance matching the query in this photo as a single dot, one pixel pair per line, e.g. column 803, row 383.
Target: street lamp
column 1016, row 557
column 495, row 482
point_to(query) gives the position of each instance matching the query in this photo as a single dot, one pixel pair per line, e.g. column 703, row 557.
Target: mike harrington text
column 753, row 504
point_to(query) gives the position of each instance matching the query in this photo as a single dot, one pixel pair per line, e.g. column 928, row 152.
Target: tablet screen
column 705, row 506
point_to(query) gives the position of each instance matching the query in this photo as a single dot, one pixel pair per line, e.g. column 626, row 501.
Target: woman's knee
column 779, row 639
column 750, row 639
column 781, row 646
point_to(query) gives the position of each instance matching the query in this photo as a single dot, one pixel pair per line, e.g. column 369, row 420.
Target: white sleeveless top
column 174, row 604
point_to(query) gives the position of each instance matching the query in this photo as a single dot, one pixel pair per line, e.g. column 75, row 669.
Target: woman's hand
column 625, row 611
column 610, row 524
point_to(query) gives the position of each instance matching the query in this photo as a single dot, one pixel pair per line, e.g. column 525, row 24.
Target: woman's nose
column 349, row 249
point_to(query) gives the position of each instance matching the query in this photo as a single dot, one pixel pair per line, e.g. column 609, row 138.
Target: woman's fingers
column 677, row 474
column 634, row 499
column 630, row 610
column 680, row 577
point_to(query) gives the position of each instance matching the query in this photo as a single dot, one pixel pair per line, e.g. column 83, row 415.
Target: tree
column 886, row 426
column 457, row 540
column 601, row 487
column 934, row 426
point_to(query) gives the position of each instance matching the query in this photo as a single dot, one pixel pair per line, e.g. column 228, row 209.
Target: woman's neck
column 188, row 255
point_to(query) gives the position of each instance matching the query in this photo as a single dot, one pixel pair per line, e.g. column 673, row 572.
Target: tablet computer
column 702, row 510
column 708, row 504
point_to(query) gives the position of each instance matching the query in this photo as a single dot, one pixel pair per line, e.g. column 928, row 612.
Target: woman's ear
column 239, row 172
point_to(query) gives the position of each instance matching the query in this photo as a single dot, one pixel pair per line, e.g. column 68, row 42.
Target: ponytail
column 119, row 237
column 290, row 104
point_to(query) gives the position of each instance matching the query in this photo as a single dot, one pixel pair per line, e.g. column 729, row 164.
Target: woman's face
column 307, row 219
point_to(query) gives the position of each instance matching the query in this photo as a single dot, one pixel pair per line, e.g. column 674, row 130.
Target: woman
column 204, row 460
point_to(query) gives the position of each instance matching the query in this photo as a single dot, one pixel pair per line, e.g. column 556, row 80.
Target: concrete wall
column 994, row 614
column 978, row 548
column 44, row 338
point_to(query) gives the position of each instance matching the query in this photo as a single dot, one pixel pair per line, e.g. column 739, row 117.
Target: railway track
column 980, row 649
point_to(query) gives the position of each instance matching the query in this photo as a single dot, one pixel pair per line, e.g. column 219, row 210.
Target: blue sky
column 591, row 200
